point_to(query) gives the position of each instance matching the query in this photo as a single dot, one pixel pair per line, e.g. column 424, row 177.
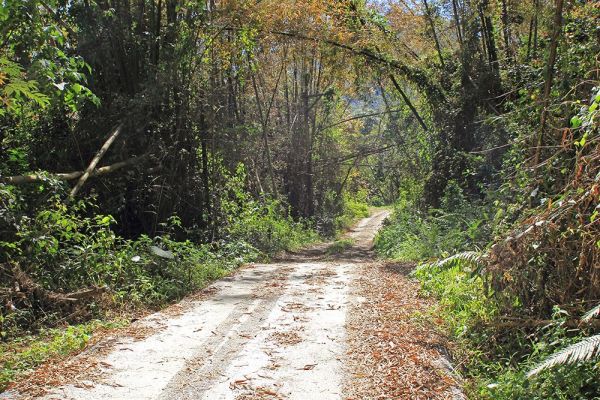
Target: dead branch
column 112, row 137
column 24, row 286
column 68, row 176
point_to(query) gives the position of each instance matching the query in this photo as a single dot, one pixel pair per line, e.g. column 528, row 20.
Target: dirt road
column 271, row 331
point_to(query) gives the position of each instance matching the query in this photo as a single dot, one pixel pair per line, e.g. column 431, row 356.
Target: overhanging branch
column 432, row 92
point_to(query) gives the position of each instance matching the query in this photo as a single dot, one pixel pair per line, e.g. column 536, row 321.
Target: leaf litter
column 391, row 353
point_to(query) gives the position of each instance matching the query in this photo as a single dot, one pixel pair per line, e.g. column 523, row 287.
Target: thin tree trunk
column 530, row 38
column 535, row 27
column 457, row 22
column 158, row 17
column 264, row 119
column 549, row 77
column 433, row 32
column 205, row 172
column 506, row 30
column 305, row 178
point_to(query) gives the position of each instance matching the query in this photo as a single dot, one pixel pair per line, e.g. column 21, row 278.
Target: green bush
column 64, row 250
column 263, row 223
column 354, row 208
column 462, row 298
column 413, row 235
column 495, row 364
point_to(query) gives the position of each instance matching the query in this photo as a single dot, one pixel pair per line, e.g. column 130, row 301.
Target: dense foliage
column 149, row 146
column 526, row 236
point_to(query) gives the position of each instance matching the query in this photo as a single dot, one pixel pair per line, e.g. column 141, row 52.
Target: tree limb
column 433, row 92
column 113, row 136
column 69, row 176
column 408, row 102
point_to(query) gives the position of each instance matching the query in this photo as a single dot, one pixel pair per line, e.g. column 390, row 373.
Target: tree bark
column 506, row 30
column 530, row 37
column 535, row 27
column 457, row 22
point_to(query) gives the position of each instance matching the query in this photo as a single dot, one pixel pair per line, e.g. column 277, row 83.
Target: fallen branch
column 113, row 136
column 68, row 176
column 24, row 287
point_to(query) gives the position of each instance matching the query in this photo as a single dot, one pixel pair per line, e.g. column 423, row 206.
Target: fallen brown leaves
column 78, row 369
column 286, row 338
column 82, row 367
column 259, row 393
column 392, row 353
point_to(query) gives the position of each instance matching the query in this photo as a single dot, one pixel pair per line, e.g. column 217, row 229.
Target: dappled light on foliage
column 150, row 147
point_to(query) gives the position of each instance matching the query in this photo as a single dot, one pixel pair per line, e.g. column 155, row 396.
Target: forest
column 150, row 147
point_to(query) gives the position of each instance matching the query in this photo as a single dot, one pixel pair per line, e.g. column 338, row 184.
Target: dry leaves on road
column 393, row 354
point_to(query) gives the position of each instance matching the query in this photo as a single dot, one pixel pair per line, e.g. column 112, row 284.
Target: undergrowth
column 411, row 234
column 355, row 208
column 61, row 248
column 493, row 352
column 27, row 352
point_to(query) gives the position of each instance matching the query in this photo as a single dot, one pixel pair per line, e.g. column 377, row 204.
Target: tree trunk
column 433, row 32
column 549, row 77
column 535, row 27
column 457, row 22
column 506, row 30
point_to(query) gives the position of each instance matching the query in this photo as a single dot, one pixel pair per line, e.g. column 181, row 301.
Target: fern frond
column 593, row 313
column 583, row 350
column 470, row 258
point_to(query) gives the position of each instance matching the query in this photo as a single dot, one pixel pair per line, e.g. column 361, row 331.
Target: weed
column 340, row 245
column 21, row 356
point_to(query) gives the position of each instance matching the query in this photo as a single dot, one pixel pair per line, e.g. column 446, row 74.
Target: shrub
column 495, row 359
column 413, row 235
column 263, row 223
